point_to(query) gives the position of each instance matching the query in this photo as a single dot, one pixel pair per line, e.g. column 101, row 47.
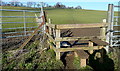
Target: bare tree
column 47, row 5
column 59, row 5
column 78, row 7
column 34, row 3
column 38, row 5
column 14, row 2
column 29, row 4
column 43, row 4
column 2, row 3
column 21, row 4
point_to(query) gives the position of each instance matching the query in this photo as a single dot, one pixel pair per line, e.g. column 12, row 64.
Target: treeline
column 60, row 5
column 16, row 3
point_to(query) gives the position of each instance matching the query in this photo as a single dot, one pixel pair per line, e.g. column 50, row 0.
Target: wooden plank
column 76, row 48
column 99, row 42
column 74, row 38
column 35, row 32
column 50, row 25
column 70, row 26
column 53, row 47
column 82, row 54
column 51, row 38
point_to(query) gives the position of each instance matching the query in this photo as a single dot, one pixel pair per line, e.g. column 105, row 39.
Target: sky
column 67, row 0
column 85, row 4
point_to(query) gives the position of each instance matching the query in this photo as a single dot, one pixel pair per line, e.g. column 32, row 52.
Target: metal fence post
column 24, row 23
column 1, row 40
column 110, row 20
column 111, row 26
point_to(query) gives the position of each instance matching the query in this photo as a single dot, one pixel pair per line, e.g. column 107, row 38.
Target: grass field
column 58, row 16
column 76, row 16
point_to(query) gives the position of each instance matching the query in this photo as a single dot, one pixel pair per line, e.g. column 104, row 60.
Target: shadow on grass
column 104, row 63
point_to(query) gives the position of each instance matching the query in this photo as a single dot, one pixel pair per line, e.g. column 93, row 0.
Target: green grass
column 58, row 16
column 75, row 16
column 12, row 13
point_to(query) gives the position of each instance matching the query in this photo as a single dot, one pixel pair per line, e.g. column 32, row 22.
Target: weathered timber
column 83, row 62
column 74, row 38
column 82, row 54
column 51, row 25
column 99, row 42
column 52, row 46
column 57, row 55
column 91, row 49
column 51, row 38
column 57, row 44
column 103, row 33
column 77, row 48
column 35, row 32
column 57, row 36
column 70, row 26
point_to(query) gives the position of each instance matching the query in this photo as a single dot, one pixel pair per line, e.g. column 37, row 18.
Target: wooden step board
column 81, row 53
column 83, row 56
column 99, row 42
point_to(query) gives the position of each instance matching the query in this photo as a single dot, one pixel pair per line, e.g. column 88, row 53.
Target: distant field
column 58, row 16
column 75, row 16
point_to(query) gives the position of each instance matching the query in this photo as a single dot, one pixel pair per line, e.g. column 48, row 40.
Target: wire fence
column 23, row 22
column 16, row 26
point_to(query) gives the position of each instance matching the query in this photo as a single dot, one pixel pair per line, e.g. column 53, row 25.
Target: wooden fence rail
column 55, row 39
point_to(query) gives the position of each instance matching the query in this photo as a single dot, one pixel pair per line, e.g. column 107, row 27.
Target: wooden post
column 82, row 62
column 57, row 36
column 102, row 33
column 76, row 55
column 90, row 45
column 50, row 29
column 83, row 56
column 57, row 55
column 50, row 32
column 57, row 43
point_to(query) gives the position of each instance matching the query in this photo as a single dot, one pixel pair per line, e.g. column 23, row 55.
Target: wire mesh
column 17, row 25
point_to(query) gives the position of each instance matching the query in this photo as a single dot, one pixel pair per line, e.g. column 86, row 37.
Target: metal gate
column 113, row 35
column 16, row 26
